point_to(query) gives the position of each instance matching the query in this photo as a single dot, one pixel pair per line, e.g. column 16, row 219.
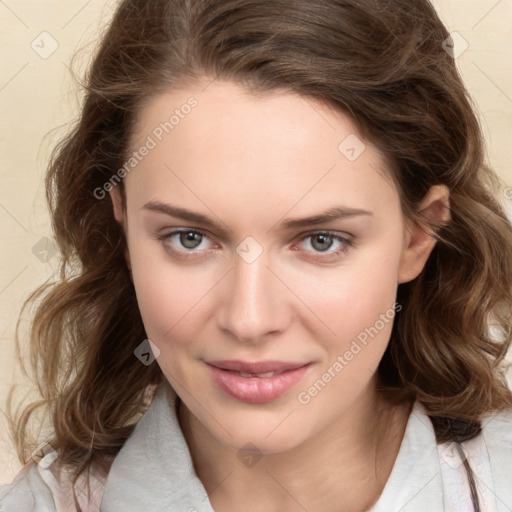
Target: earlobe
column 419, row 240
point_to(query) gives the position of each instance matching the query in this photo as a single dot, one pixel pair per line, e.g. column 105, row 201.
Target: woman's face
column 255, row 281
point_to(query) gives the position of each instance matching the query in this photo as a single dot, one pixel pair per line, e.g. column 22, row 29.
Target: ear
column 119, row 214
column 419, row 238
column 117, row 202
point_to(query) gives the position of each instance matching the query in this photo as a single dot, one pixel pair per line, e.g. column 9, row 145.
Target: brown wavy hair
column 381, row 62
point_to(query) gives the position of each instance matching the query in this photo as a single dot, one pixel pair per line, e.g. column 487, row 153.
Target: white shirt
column 154, row 471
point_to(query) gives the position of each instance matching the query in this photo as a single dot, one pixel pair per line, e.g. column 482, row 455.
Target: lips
column 256, row 382
column 258, row 367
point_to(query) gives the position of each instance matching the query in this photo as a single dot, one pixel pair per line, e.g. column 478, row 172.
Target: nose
column 254, row 302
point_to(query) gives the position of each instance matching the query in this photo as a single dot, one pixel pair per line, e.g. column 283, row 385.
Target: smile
column 256, row 386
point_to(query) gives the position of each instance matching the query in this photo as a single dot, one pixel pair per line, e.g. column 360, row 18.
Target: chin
column 269, row 433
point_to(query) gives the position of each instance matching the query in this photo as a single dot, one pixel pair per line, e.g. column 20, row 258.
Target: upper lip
column 256, row 366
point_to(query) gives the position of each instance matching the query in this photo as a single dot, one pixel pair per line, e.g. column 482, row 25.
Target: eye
column 323, row 241
column 183, row 242
column 186, row 242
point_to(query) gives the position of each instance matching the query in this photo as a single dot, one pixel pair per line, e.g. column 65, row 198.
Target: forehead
column 277, row 117
column 220, row 142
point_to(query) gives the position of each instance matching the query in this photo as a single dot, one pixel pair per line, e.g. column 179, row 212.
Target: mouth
column 256, row 382
column 260, row 375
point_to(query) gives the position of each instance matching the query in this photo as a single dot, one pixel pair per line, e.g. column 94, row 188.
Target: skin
column 249, row 162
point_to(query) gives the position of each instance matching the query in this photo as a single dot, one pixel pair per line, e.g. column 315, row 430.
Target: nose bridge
column 253, row 306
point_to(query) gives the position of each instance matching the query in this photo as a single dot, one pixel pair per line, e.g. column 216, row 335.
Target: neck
column 343, row 468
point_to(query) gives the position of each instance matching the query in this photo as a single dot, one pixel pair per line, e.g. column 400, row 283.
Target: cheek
column 352, row 298
column 169, row 296
column 361, row 312
column 171, row 305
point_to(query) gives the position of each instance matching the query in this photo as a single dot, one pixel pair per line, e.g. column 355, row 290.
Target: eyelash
column 346, row 243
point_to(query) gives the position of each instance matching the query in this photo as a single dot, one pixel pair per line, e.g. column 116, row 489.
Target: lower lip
column 256, row 389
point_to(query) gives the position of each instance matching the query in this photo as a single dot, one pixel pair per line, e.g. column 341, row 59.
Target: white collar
column 154, row 469
column 415, row 483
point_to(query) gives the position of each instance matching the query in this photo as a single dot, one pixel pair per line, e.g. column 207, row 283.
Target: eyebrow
column 334, row 213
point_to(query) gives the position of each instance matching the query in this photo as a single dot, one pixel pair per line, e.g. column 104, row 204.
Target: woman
column 281, row 247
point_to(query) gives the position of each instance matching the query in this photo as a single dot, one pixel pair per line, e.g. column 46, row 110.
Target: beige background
column 38, row 97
